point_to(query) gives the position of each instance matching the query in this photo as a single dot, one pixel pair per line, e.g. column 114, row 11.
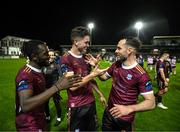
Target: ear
column 76, row 42
column 130, row 50
column 34, row 56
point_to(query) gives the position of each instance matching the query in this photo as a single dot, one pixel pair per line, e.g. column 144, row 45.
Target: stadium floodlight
column 90, row 26
column 138, row 26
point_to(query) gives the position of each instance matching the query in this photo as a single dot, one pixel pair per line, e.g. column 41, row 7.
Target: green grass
column 155, row 120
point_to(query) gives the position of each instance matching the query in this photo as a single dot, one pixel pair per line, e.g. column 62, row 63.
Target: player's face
column 121, row 50
column 166, row 57
column 51, row 56
column 43, row 56
column 83, row 44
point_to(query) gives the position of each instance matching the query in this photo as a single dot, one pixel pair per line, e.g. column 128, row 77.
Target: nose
column 87, row 44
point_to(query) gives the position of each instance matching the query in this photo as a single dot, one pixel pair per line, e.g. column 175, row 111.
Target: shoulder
column 140, row 70
column 24, row 73
column 65, row 57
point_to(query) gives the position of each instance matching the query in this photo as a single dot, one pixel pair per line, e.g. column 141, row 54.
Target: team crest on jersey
column 129, row 77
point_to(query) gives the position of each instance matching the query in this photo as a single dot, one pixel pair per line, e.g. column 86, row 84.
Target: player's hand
column 103, row 101
column 98, row 72
column 166, row 84
column 91, row 60
column 120, row 110
column 66, row 82
column 167, row 80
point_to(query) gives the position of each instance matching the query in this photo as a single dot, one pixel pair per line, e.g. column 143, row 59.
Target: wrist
column 56, row 88
column 131, row 108
column 91, row 75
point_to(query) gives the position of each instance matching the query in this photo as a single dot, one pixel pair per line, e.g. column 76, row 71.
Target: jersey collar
column 129, row 67
column 34, row 69
column 76, row 56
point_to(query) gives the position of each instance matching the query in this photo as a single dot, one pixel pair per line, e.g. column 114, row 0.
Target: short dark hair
column 31, row 47
column 134, row 42
column 163, row 53
column 51, row 50
column 79, row 32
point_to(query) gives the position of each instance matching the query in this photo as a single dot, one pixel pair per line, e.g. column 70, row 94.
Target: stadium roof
column 166, row 37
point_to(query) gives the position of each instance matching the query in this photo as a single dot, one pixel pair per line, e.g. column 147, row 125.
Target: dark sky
column 53, row 21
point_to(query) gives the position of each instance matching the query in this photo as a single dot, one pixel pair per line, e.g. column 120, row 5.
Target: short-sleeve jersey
column 128, row 83
column 30, row 78
column 77, row 64
column 161, row 65
column 173, row 62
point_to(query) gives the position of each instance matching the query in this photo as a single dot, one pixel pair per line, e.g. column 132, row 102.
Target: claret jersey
column 128, row 82
column 34, row 120
column 77, row 64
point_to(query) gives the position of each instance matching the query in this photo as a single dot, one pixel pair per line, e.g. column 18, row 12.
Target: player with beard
column 31, row 93
column 129, row 80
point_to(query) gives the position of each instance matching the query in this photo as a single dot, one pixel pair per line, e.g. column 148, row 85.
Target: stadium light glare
column 138, row 26
column 90, row 26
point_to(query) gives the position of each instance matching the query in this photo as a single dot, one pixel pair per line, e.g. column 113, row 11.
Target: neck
column 162, row 59
column 130, row 61
column 75, row 51
column 35, row 65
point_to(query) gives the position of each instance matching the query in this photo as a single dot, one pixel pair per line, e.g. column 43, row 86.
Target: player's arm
column 94, row 62
column 96, row 72
column 104, row 77
column 102, row 98
column 163, row 75
column 28, row 101
column 122, row 110
column 147, row 104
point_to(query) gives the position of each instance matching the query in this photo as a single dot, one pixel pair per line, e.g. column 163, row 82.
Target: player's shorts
column 173, row 67
column 109, row 123
column 82, row 118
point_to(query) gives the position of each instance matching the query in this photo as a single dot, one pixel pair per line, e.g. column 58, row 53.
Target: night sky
column 52, row 21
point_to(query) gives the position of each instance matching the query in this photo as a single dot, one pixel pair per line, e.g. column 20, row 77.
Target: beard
column 122, row 58
column 43, row 63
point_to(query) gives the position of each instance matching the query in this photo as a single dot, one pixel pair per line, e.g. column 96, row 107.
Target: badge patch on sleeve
column 64, row 68
column 22, row 85
column 148, row 86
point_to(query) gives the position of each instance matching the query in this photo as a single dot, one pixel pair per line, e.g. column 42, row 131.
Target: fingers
column 87, row 61
column 96, row 67
column 76, row 85
column 104, row 103
column 115, row 112
column 88, row 56
column 75, row 79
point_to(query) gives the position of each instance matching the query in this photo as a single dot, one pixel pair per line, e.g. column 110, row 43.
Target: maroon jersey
column 83, row 95
column 161, row 65
column 128, row 83
column 34, row 120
